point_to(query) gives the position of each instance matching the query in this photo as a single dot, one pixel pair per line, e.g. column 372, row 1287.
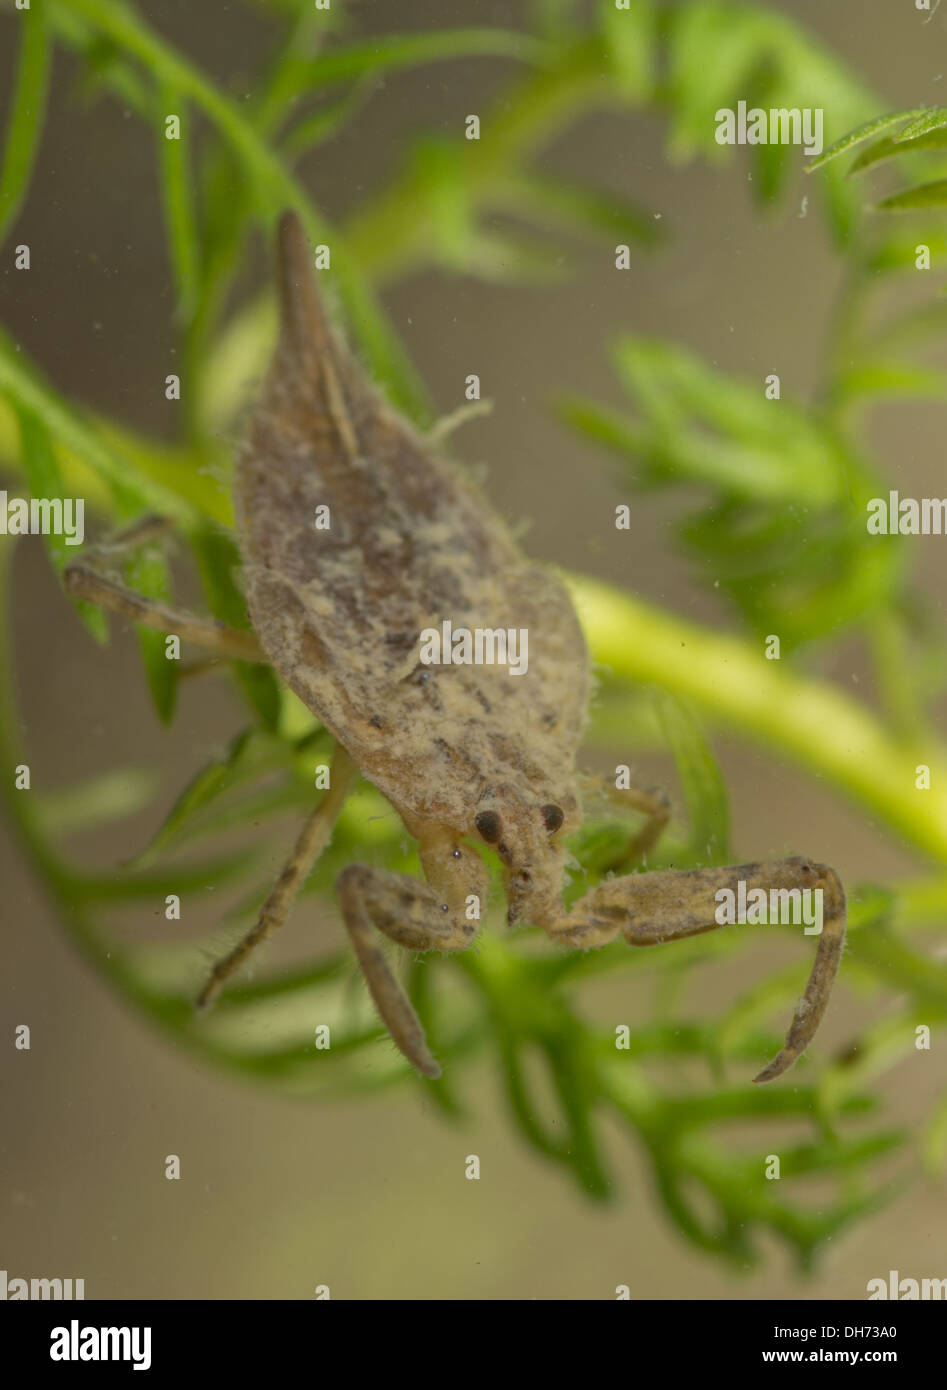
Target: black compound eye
column 553, row 816
column 489, row 825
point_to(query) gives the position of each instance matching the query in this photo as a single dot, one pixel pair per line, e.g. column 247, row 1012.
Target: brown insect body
column 411, row 543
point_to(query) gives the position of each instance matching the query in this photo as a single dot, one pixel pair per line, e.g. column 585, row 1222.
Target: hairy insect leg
column 648, row 909
column 422, row 916
column 654, row 805
column 313, row 838
column 471, row 410
column 83, row 578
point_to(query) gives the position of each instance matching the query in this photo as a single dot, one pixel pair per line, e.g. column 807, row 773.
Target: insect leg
column 470, row 410
column 654, row 805
column 652, row 908
column 83, row 578
column 313, row 838
column 413, row 914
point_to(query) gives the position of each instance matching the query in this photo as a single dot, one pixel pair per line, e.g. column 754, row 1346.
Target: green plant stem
column 276, row 186
column 68, row 429
column 809, row 720
column 27, row 113
column 390, row 235
column 412, row 50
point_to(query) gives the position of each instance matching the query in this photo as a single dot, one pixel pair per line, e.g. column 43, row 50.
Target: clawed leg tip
column 776, row 1068
column 423, row 1062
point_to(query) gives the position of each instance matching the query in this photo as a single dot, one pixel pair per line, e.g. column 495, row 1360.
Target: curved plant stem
column 810, row 720
column 27, row 114
column 275, row 185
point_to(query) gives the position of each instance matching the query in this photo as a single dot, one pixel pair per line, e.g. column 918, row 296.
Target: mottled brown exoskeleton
column 466, row 754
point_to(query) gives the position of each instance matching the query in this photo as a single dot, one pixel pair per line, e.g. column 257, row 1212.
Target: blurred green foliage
column 680, row 1087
